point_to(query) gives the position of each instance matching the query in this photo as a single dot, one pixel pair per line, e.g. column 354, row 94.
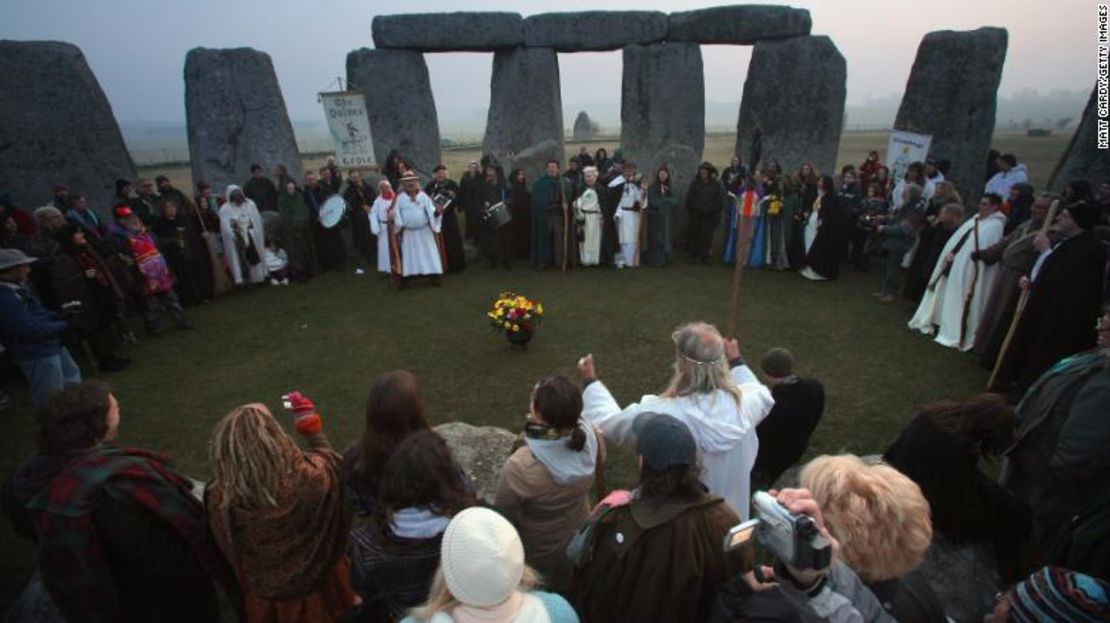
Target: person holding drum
column 417, row 221
column 496, row 240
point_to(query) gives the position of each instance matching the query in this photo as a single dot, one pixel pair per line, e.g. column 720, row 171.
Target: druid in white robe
column 627, row 218
column 379, row 226
column 946, row 304
column 245, row 220
column 587, row 212
column 418, row 222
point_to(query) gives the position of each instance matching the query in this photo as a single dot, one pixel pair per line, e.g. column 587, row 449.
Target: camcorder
column 793, row 539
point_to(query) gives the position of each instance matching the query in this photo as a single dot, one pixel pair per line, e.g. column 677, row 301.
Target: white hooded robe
column 245, row 216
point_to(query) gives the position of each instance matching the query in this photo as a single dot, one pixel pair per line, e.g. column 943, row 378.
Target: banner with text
column 349, row 128
column 904, row 148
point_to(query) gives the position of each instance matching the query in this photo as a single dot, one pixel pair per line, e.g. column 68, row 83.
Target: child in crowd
column 277, row 263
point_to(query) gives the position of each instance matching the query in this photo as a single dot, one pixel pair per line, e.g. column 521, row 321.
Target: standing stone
column 583, row 127
column 793, row 104
column 524, row 128
column 663, row 112
column 402, row 115
column 593, row 31
column 236, row 116
column 739, row 24
column 449, row 32
column 951, row 95
column 57, row 127
column 1083, row 160
column 481, row 452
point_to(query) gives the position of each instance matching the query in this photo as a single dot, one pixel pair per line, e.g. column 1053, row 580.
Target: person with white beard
column 417, row 220
column 587, row 212
column 628, row 215
column 243, row 237
column 959, row 286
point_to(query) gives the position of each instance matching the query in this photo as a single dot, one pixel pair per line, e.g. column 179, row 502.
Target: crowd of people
column 391, row 528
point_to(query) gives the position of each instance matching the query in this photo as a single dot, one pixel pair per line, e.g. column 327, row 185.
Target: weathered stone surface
column 740, row 24
column 1082, row 160
column 57, row 127
column 586, row 31
column 449, row 32
column 793, row 103
column 481, row 451
column 663, row 111
column 236, row 116
column 951, row 94
column 524, row 128
column 403, row 116
column 583, row 127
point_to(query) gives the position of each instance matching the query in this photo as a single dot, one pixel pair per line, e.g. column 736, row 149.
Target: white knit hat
column 481, row 557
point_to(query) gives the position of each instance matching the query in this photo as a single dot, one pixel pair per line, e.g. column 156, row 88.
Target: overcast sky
column 137, row 48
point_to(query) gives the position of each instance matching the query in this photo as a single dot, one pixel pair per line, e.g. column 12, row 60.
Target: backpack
column 580, row 549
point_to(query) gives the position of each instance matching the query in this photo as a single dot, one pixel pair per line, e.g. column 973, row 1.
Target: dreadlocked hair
column 699, row 363
column 251, row 455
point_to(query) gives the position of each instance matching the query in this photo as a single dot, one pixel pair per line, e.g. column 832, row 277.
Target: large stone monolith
column 1083, row 159
column 524, row 128
column 740, row 24
column 402, row 116
column 663, row 111
column 236, row 116
column 591, row 31
column 56, row 127
column 464, row 31
column 951, row 95
column 793, row 103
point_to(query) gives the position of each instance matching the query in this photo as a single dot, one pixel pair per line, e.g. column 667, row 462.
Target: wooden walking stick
column 971, row 287
column 640, row 232
column 566, row 224
column 742, row 245
column 394, row 250
column 1020, row 309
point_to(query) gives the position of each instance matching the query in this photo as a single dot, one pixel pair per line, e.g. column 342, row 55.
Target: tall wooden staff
column 394, row 249
column 640, row 230
column 742, row 244
column 566, row 223
column 971, row 287
column 1020, row 309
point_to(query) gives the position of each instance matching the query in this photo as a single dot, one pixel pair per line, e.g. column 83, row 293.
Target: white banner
column 349, row 128
column 904, row 148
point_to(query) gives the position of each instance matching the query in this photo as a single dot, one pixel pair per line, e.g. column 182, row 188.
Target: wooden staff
column 394, row 248
column 971, row 288
column 1020, row 309
column 640, row 231
column 742, row 244
column 220, row 282
column 566, row 223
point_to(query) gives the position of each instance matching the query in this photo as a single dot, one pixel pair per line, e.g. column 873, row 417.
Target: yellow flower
column 539, row 309
column 516, row 327
column 507, row 324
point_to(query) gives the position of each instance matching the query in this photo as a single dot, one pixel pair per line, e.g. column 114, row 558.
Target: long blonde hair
column 440, row 598
column 699, row 364
column 251, row 455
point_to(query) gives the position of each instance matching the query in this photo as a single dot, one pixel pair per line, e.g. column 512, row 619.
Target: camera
column 793, row 539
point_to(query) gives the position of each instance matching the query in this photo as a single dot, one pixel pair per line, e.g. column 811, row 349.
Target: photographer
column 32, row 333
column 834, row 593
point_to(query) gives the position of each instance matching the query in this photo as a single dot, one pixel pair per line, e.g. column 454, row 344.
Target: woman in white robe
column 416, row 217
column 944, row 305
column 379, row 223
column 240, row 214
column 627, row 218
column 587, row 212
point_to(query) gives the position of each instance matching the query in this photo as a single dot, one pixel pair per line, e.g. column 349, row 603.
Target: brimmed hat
column 664, row 442
column 1054, row 594
column 10, row 258
column 410, row 176
column 481, row 558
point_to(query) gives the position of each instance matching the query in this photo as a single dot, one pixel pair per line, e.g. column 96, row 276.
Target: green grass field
column 331, row 337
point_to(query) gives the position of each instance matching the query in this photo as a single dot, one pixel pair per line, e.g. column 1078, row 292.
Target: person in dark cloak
column 825, row 251
column 704, row 204
column 359, row 197
column 329, row 240
column 661, row 210
column 180, row 242
column 394, row 165
column 547, row 201
column 441, row 186
column 496, row 242
column 296, row 227
column 520, row 207
column 470, row 199
column 930, row 242
column 1065, row 292
column 261, row 190
column 1021, row 203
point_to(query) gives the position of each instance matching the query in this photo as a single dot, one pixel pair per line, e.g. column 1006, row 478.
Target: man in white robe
column 628, row 215
column 418, row 221
column 959, row 287
column 713, row 392
column 587, row 212
column 242, row 231
column 379, row 223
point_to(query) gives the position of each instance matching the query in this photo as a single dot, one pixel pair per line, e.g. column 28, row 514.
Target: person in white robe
column 379, row 223
column 713, row 392
column 959, row 286
column 418, row 221
column 240, row 228
column 587, row 212
column 628, row 215
column 1009, row 173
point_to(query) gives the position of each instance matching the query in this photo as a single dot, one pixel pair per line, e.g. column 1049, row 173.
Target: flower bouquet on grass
column 516, row 315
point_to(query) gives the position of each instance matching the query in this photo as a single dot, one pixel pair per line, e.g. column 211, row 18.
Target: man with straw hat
column 417, row 221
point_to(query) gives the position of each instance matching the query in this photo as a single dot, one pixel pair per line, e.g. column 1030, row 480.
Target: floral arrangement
column 515, row 313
